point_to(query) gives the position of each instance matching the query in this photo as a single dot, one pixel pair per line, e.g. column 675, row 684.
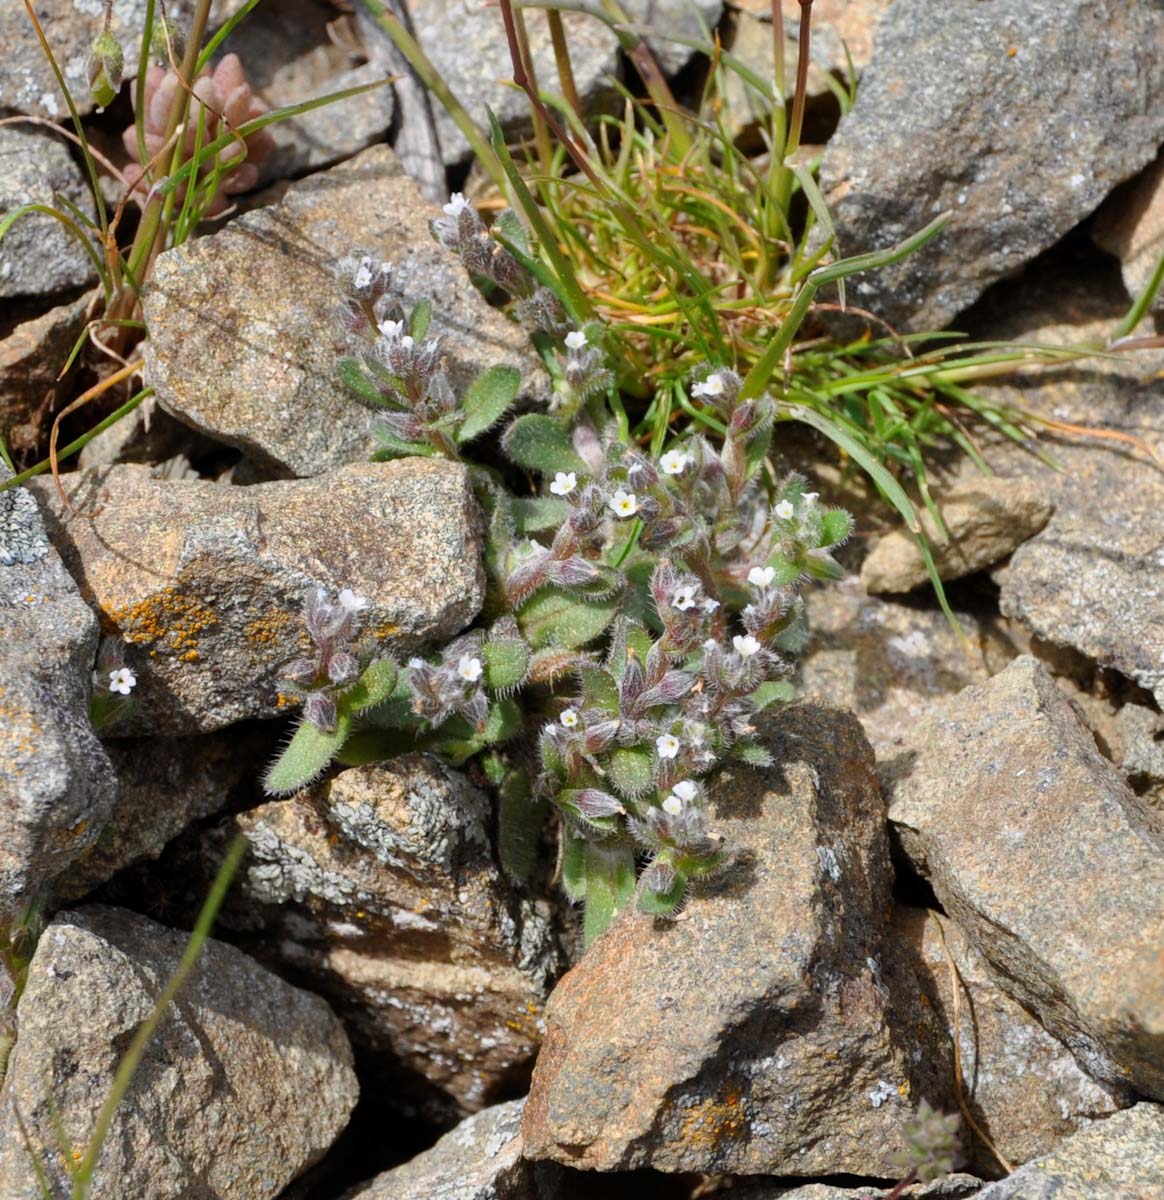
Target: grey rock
column 762, row 1031
column 243, row 333
column 479, row 1160
column 205, row 583
column 985, row 522
column 1130, row 225
column 1002, row 801
column 1141, row 733
column 246, row 1082
column 478, row 79
column 951, row 1187
column 38, row 256
column 56, row 782
column 998, row 112
column 380, row 886
column 1121, row 1158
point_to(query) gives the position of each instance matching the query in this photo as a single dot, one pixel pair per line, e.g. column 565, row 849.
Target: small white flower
column 457, row 204
column 784, row 510
column 811, row 497
column 667, row 744
column 414, row 664
column 674, row 462
column 569, row 718
column 623, row 503
column 673, row 806
column 761, row 577
column 746, row 645
column 469, row 668
column 391, row 329
column 575, row 339
column 710, row 644
column 363, row 275
column 564, row 483
column 686, row 790
column 709, row 605
column 406, row 342
column 350, row 602
column 711, row 386
column 122, row 681
column 684, row 597
column 633, row 469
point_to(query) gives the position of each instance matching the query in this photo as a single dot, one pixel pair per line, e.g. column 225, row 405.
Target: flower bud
column 320, row 710
column 343, row 669
column 168, row 37
column 105, row 67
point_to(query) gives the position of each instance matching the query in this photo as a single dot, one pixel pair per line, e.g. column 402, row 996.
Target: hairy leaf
column 539, row 443
column 305, row 757
column 488, row 399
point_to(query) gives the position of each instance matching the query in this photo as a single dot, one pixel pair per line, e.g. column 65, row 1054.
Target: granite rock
column 1003, row 802
column 1130, row 225
column 205, row 583
column 245, row 1084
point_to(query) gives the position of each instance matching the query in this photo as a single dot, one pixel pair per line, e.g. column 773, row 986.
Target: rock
column 479, row 79
column 381, row 889
column 1002, row 801
column 206, row 583
column 986, row 521
column 246, row 1083
column 38, row 256
column 757, row 1032
column 31, row 356
column 1141, row 743
column 243, row 333
column 1021, row 1084
column 289, row 58
column 164, row 785
column 962, row 107
column 1130, row 225
column 888, row 661
column 479, row 1160
column 951, row 1187
column 153, row 438
column 56, row 782
column 1121, row 1157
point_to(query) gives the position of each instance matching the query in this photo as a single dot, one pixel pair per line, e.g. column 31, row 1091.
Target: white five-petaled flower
column 575, row 339
column 363, row 274
column 122, row 681
column 391, row 329
column 686, row 790
column 709, row 605
column 667, row 744
column 711, row 386
column 674, row 462
column 569, row 718
column 673, row 806
column 623, row 503
column 414, row 663
column 761, row 577
column 746, row 645
column 457, row 204
column 350, row 602
column 784, row 510
column 684, row 597
column 564, row 483
column 469, row 668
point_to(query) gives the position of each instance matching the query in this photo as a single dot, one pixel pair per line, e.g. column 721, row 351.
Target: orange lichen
column 384, row 631
column 19, row 734
column 167, row 620
column 709, row 1123
column 271, row 627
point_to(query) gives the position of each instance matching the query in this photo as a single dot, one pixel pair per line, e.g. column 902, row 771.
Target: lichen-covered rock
column 1022, row 1085
column 986, row 520
column 1049, row 864
column 38, row 255
column 205, row 583
column 246, row 1082
column 381, row 888
column 479, row 1160
column 1121, row 1157
column 56, row 782
column 994, row 111
column 758, row 1033
column 244, row 337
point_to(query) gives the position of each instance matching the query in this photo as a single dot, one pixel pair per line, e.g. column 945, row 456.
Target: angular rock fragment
column 1130, row 225
column 985, row 522
column 1049, row 864
column 976, row 109
column 56, row 782
column 950, row 1187
column 756, row 1033
column 244, row 337
column 205, row 583
column 245, row 1084
column 381, row 889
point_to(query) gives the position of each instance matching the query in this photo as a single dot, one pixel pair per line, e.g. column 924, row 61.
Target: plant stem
column 801, row 77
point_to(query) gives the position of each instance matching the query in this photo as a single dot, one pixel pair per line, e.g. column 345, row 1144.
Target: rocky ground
column 951, row 886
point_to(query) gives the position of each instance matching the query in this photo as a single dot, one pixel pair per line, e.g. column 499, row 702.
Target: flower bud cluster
column 454, row 684
column 461, row 230
column 932, row 1145
column 584, row 373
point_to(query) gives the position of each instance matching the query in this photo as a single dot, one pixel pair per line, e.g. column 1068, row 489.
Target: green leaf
column 506, row 664
column 752, row 753
column 574, row 865
column 488, row 400
column 520, row 816
column 538, row 443
column 610, row 884
column 537, row 514
column 458, row 742
column 418, row 322
column 757, row 450
column 511, row 228
column 355, row 378
column 836, row 526
column 389, row 446
column 553, row 617
column 373, row 687
column 632, row 770
column 305, row 757
column 599, row 688
column 822, row 565
column 663, row 904
column 775, row 691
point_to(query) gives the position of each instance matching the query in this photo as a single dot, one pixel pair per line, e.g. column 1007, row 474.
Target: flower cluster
column 334, row 663
column 452, row 685
column 932, row 1145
